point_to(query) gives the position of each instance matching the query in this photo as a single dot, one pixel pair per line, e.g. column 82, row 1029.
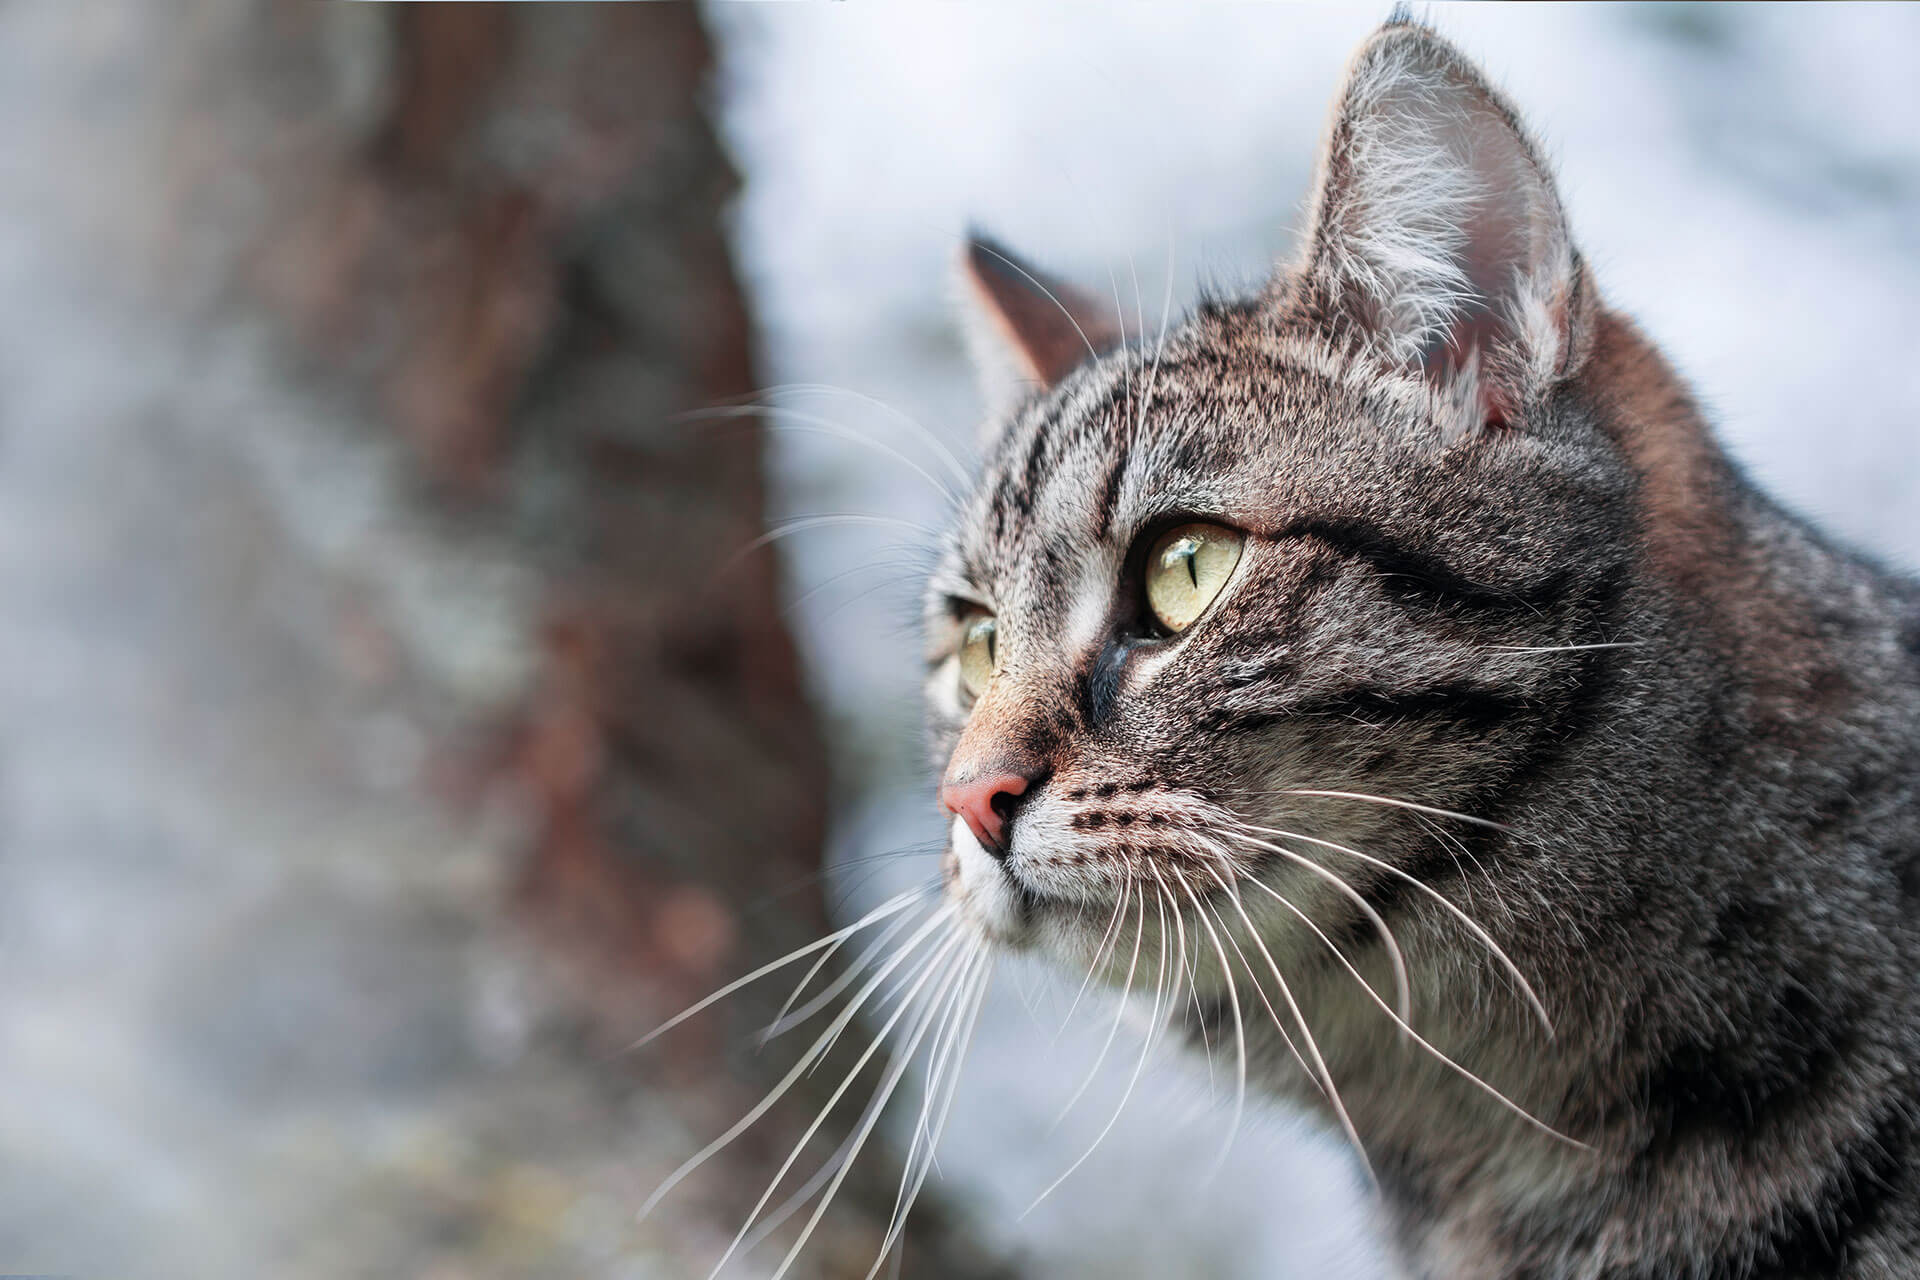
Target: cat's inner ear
column 1437, row 235
column 1026, row 328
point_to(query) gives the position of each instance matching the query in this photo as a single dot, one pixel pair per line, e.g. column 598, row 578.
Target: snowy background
column 1746, row 181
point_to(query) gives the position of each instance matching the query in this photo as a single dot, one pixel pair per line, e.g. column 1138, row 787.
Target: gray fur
column 1497, row 566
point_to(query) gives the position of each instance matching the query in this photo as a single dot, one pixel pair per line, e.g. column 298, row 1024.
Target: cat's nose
column 985, row 801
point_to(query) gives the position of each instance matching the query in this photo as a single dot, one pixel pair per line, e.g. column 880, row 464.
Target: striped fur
column 1497, row 567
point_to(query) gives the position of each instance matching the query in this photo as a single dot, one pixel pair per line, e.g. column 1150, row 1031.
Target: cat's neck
column 1733, row 1026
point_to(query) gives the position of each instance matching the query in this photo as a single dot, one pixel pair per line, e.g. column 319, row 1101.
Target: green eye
column 1186, row 569
column 979, row 652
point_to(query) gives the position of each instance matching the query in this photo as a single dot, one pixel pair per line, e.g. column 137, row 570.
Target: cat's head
column 1302, row 564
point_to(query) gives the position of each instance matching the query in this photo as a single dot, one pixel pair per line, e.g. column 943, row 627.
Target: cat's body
column 1498, row 588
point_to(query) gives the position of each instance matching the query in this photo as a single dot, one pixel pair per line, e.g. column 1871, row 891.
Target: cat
column 1389, row 680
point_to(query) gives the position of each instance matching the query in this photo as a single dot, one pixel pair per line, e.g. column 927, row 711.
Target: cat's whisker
column 886, row 997
column 1458, row 849
column 1402, row 984
column 1049, row 294
column 1562, row 648
column 831, row 520
column 1260, row 990
column 785, row 1021
column 905, row 568
column 1160, row 993
column 935, row 919
column 939, row 447
column 1099, row 955
column 1401, row 1022
column 897, row 903
column 937, row 1059
column 1393, row 803
column 867, row 1123
column 1184, row 970
column 1472, row 925
column 774, row 1218
column 813, row 424
column 919, row 1149
column 1324, row 1073
column 982, row 985
column 1160, row 343
column 1119, row 1012
column 1233, row 1002
column 935, row 964
column 957, row 1056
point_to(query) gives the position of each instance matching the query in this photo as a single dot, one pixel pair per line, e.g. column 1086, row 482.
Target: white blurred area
column 1746, row 181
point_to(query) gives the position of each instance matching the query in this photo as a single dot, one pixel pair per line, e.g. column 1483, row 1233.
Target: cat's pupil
column 1186, row 551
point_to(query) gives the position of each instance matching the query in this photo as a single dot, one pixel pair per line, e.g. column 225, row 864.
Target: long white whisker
column 1050, row 297
column 982, row 984
column 1397, row 804
column 968, row 1014
column 886, row 997
column 867, row 1122
column 1099, row 954
column 814, row 424
column 788, row 1017
column 1239, row 1026
column 1331, row 1090
column 911, row 565
column 1279, row 1025
column 1413, row 1035
column 937, row 1066
column 1139, row 1065
column 898, row 903
column 934, row 964
column 1472, row 925
column 800, row 524
column 1562, row 648
column 1187, row 972
column 913, row 424
column 1119, row 1013
column 1402, row 985
column 1160, row 343
column 771, row 1221
column 820, row 1046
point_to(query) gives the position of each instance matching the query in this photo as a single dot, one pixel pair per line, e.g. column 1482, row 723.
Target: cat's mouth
column 989, row 892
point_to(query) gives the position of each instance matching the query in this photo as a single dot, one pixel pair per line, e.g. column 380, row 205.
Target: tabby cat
column 1390, row 681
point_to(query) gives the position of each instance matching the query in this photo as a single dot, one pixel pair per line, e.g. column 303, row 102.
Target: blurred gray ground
column 264, row 1006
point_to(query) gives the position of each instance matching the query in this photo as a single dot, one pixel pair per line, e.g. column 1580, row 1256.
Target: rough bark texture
column 395, row 730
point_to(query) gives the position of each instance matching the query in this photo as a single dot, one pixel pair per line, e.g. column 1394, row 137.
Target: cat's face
column 1347, row 538
column 1188, row 589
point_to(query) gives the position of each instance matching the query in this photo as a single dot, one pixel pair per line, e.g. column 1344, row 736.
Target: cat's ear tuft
column 1436, row 232
column 1026, row 329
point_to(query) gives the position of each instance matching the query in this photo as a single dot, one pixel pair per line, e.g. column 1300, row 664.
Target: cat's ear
column 1436, row 233
column 1026, row 330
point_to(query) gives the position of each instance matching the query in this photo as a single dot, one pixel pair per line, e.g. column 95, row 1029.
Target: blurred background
column 396, row 715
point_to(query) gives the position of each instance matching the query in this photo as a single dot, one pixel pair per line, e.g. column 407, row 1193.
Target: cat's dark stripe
column 1415, row 573
column 1472, row 709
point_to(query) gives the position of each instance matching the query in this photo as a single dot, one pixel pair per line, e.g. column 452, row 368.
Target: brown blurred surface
column 383, row 679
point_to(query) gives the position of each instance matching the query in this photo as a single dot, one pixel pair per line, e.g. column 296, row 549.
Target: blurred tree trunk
column 498, row 742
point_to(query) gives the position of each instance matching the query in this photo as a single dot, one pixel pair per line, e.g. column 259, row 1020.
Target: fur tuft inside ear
column 1436, row 231
column 1027, row 330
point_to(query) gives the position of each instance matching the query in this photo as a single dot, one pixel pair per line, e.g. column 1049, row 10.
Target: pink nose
column 985, row 802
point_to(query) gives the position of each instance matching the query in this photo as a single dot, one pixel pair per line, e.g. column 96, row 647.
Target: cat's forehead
column 1223, row 419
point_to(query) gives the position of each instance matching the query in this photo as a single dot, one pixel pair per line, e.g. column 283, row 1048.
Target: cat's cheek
column 978, row 885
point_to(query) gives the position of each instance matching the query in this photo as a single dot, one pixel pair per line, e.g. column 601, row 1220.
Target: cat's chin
column 990, row 901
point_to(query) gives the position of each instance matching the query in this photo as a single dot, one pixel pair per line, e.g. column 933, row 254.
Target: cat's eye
column 979, row 652
column 1186, row 568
